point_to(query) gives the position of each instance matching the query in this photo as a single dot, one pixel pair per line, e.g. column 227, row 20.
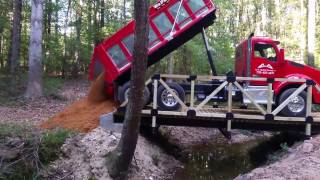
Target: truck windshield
column 266, row 51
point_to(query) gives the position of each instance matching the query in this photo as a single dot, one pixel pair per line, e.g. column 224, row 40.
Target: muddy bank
column 84, row 158
column 301, row 162
column 183, row 139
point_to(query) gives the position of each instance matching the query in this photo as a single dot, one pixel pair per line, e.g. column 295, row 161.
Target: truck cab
column 263, row 57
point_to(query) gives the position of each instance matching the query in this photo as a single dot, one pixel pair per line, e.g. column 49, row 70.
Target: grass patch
column 52, row 85
column 51, row 143
column 28, row 150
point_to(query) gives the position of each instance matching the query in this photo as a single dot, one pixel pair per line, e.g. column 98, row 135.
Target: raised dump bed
column 172, row 23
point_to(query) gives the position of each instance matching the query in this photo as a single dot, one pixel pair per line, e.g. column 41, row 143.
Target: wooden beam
column 250, row 98
column 215, row 92
column 155, row 102
column 230, row 89
column 270, row 98
column 192, row 94
column 309, row 101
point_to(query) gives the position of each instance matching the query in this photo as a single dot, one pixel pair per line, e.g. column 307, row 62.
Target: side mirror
column 282, row 57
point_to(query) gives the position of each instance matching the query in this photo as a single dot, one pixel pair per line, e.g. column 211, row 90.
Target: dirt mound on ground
column 84, row 158
column 84, row 115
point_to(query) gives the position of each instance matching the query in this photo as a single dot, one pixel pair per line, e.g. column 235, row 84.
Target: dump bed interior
column 172, row 23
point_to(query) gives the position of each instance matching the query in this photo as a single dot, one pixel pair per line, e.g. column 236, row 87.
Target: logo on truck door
column 265, row 69
column 160, row 4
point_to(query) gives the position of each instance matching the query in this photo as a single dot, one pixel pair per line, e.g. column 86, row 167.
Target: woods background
column 72, row 28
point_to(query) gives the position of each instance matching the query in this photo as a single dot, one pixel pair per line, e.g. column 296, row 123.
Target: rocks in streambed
column 301, row 162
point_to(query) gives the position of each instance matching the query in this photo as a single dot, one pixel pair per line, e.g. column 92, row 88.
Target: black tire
column 162, row 91
column 124, row 90
column 288, row 111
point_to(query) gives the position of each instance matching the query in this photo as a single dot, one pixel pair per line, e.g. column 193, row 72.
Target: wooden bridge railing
column 229, row 82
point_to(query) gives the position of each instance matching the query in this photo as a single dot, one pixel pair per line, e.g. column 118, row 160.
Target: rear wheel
column 166, row 100
column 297, row 105
column 124, row 91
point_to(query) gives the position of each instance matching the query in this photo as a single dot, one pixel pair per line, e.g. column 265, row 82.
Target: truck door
column 264, row 61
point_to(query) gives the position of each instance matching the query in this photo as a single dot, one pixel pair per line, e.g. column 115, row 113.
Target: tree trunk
column 1, row 53
column 120, row 159
column 171, row 64
column 96, row 23
column 302, row 30
column 124, row 11
column 64, row 61
column 76, row 65
column 311, row 31
column 49, row 17
column 56, row 26
column 102, row 13
column 89, row 2
column 35, row 88
column 16, row 36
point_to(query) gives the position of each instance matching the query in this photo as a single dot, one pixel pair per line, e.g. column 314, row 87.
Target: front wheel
column 297, row 105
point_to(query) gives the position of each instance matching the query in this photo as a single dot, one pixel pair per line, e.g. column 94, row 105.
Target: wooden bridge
column 202, row 114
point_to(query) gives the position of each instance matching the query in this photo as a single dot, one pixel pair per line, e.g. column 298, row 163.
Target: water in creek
column 221, row 160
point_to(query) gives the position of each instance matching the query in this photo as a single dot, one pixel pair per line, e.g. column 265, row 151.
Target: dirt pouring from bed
column 83, row 115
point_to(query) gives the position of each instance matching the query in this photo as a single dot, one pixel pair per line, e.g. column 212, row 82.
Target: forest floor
column 39, row 110
column 83, row 154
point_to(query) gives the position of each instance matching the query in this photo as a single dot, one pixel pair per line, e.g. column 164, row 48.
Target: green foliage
column 50, row 146
column 52, row 85
column 10, row 130
column 235, row 21
column 36, row 149
column 12, row 97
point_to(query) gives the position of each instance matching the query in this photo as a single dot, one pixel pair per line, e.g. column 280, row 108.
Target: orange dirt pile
column 84, row 115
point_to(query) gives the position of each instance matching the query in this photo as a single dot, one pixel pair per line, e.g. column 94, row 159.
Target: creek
column 219, row 159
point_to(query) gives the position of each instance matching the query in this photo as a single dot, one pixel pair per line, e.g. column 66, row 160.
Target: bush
column 51, row 143
column 52, row 86
column 28, row 150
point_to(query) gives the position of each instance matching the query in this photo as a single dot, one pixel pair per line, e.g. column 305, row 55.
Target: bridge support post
column 270, row 96
column 309, row 118
column 154, row 111
column 230, row 115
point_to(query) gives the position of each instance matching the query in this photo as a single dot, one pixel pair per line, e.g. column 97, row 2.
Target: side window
column 197, row 6
column 118, row 56
column 183, row 17
column 265, row 51
column 153, row 39
column 129, row 42
column 97, row 68
column 163, row 24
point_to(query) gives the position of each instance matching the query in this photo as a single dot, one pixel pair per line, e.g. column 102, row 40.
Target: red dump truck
column 174, row 22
